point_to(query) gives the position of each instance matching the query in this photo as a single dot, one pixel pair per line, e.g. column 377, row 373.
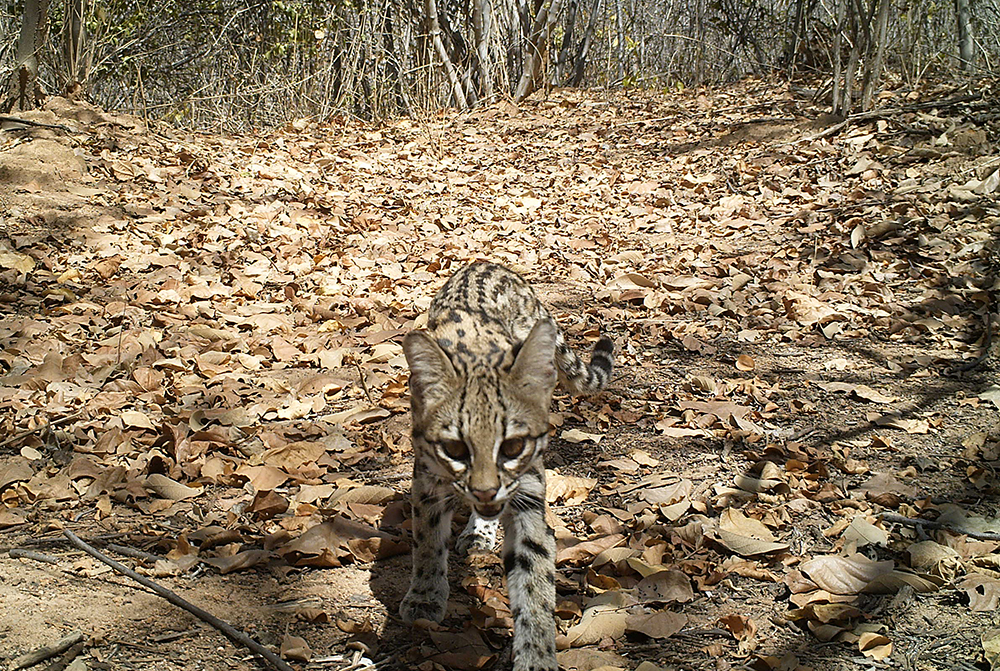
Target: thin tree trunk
column 457, row 90
column 838, row 68
column 852, row 66
column 25, row 91
column 620, row 41
column 874, row 73
column 966, row 46
column 566, row 51
column 541, row 30
column 482, row 27
column 798, row 23
column 580, row 60
column 74, row 46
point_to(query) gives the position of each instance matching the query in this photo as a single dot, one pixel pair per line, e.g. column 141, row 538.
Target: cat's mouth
column 489, row 510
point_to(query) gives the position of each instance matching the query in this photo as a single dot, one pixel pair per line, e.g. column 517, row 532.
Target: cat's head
column 482, row 425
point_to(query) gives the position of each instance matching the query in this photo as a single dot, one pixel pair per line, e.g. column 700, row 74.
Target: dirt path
column 199, row 359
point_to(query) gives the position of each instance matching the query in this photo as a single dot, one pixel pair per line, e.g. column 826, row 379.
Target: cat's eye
column 512, row 447
column 456, row 449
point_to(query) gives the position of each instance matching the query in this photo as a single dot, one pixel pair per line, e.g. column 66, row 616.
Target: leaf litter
column 200, row 357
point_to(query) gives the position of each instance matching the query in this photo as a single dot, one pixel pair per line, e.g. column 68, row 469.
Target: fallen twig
column 66, row 658
column 21, row 553
column 37, row 124
column 233, row 634
column 41, row 654
column 132, row 552
column 47, row 425
column 826, row 132
column 931, row 524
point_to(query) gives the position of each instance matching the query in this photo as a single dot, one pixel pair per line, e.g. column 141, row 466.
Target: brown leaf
column 669, row 586
column 577, row 553
column 661, row 624
column 875, row 646
column 168, row 488
column 983, row 591
column 295, row 649
column 746, row 536
column 844, row 575
column 603, row 618
column 15, row 469
column 567, row 489
column 338, row 541
column 739, row 626
column 238, row 561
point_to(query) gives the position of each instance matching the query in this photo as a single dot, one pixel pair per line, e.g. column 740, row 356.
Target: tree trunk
column 966, row 46
column 457, row 90
column 24, row 90
column 74, row 46
column 566, row 51
column 580, row 60
column 482, row 29
column 838, row 62
column 874, row 72
column 541, row 30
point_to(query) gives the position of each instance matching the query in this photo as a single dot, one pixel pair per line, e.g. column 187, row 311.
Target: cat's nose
column 485, row 495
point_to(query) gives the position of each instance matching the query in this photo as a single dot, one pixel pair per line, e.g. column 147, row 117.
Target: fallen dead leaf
column 875, row 646
column 746, row 536
column 578, row 436
column 983, row 592
column 661, row 624
column 167, row 488
column 604, row 617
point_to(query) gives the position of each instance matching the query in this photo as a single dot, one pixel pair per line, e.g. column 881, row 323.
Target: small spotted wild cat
column 481, row 381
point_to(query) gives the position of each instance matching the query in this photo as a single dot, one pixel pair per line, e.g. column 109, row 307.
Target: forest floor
column 794, row 466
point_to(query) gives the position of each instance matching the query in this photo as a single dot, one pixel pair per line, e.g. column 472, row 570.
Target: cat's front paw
column 479, row 535
column 423, row 603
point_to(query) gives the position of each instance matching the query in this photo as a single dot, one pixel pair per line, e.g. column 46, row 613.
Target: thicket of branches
column 231, row 63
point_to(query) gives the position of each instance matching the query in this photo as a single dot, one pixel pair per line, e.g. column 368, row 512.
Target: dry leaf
column 661, row 624
column 578, row 436
column 844, row 575
column 983, row 591
column 604, row 617
column 990, row 640
column 875, row 646
column 167, row 488
column 295, row 649
column 861, row 532
column 746, row 536
column 670, row 586
column 567, row 489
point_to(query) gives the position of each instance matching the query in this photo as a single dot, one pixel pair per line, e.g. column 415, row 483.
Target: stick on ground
column 41, row 654
column 233, row 634
column 930, row 524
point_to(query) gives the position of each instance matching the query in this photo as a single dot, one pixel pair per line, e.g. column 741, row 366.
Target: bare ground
column 191, row 307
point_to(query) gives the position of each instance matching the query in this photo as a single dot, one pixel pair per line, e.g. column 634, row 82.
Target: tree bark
column 580, row 60
column 838, row 69
column 874, row 72
column 566, row 51
column 74, row 45
column 457, row 90
column 25, row 91
column 966, row 46
column 541, row 30
column 482, row 30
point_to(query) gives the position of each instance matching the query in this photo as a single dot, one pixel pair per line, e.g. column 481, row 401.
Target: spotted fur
column 481, row 381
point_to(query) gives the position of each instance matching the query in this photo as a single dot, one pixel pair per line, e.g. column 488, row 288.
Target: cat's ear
column 534, row 369
column 432, row 377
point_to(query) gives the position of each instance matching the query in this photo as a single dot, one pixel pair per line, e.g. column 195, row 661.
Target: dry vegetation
column 200, row 361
